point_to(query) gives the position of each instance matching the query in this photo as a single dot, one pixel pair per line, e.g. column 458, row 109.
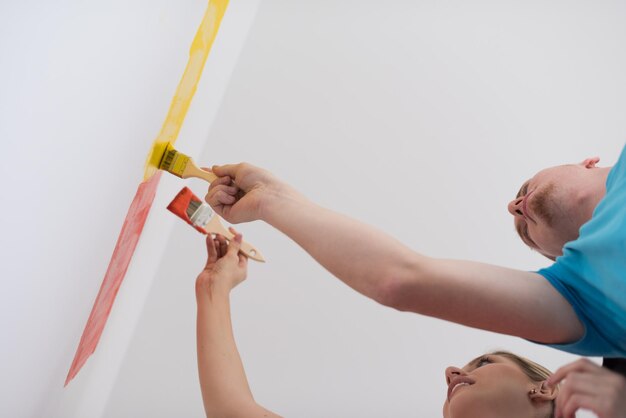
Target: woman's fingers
column 586, row 385
column 211, row 251
column 580, row 365
column 222, row 245
column 576, row 402
column 235, row 243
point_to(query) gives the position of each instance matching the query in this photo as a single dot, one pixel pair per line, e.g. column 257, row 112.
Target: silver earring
column 533, row 391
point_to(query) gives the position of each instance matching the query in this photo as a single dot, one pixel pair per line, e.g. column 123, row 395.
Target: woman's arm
column 225, row 389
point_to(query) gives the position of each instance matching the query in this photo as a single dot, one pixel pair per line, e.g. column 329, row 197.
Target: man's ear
column 544, row 393
column 590, row 162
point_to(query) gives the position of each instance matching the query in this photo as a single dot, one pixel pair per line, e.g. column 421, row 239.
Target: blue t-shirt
column 591, row 273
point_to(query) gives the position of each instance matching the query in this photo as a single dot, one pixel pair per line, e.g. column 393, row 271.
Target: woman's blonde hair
column 535, row 371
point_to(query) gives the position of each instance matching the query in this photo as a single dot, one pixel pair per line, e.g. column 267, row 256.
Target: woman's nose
column 452, row 372
column 515, row 207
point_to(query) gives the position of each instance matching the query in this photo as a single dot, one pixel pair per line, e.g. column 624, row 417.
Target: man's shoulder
column 617, row 173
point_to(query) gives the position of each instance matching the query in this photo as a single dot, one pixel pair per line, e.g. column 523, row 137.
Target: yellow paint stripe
column 200, row 48
column 140, row 207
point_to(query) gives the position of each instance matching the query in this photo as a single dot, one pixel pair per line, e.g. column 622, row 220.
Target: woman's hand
column 589, row 386
column 225, row 268
column 223, row 382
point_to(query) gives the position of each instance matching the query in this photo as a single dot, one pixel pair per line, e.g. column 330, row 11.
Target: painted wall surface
column 85, row 89
column 421, row 117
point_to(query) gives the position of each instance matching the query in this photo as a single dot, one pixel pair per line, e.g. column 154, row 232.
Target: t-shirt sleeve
column 592, row 343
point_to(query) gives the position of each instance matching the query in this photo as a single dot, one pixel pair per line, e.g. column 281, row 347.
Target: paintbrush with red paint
column 198, row 214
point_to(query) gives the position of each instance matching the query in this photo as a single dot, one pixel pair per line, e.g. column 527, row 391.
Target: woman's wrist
column 210, row 290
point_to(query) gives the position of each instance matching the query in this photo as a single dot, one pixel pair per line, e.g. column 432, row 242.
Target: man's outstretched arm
column 373, row 263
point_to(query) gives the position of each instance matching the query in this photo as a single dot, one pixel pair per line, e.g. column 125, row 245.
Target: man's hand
column 589, row 386
column 241, row 191
column 225, row 268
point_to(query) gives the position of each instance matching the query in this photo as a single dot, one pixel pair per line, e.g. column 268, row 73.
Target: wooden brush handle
column 192, row 170
column 215, row 227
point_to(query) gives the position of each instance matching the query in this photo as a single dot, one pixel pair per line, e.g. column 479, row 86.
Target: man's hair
column 535, row 371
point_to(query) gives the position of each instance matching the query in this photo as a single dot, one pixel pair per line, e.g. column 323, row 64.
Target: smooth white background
column 422, row 118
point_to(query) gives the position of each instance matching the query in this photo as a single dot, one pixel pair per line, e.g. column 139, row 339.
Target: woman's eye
column 483, row 361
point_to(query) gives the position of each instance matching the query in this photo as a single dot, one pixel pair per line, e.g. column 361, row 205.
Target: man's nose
column 452, row 372
column 515, row 207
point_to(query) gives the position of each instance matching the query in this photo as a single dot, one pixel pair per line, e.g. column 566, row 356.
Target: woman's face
column 490, row 386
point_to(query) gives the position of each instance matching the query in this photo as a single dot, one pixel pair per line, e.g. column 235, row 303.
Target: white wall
column 422, row 118
column 85, row 89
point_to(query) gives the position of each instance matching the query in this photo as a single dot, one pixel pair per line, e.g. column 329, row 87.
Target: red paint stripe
column 122, row 254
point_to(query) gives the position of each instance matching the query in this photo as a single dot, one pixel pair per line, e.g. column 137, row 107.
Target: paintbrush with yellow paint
column 182, row 165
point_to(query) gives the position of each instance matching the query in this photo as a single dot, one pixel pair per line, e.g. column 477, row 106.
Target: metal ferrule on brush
column 201, row 213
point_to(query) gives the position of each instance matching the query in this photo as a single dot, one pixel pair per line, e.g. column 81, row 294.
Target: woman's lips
column 458, row 382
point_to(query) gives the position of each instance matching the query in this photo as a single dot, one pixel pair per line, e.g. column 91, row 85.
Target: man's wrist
column 276, row 201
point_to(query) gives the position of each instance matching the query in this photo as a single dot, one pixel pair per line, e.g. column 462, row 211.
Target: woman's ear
column 543, row 392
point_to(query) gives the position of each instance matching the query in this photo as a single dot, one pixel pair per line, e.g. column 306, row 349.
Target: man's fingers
column 224, row 197
column 230, row 190
column 226, row 180
column 216, row 185
column 220, row 196
column 225, row 170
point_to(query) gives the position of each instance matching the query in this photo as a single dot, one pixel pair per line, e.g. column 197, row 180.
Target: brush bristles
column 174, row 162
column 193, row 207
